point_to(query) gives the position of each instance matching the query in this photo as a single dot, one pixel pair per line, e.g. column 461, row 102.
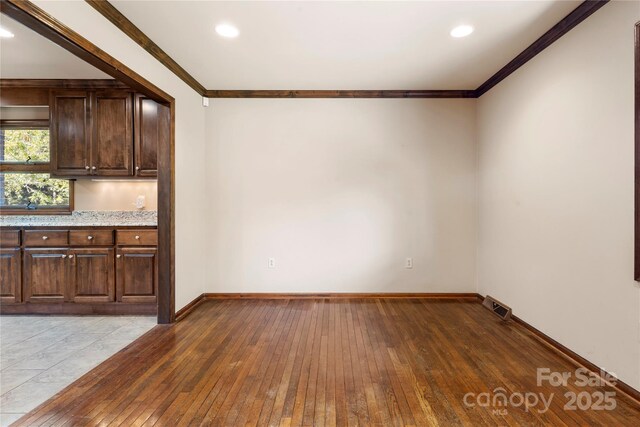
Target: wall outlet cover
column 140, row 202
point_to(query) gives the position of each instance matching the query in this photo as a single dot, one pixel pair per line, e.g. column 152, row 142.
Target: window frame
column 42, row 168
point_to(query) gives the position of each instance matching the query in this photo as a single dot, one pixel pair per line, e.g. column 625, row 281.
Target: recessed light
column 227, row 30
column 461, row 31
column 6, row 34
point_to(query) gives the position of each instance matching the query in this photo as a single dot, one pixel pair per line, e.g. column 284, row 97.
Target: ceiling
column 30, row 56
column 332, row 45
column 344, row 45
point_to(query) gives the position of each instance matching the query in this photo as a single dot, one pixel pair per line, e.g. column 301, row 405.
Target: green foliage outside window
column 39, row 189
column 22, row 145
column 22, row 189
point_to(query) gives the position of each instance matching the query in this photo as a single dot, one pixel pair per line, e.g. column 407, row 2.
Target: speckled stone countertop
column 83, row 219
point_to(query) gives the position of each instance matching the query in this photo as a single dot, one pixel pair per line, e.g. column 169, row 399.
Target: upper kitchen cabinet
column 70, row 124
column 146, row 136
column 112, row 139
column 103, row 132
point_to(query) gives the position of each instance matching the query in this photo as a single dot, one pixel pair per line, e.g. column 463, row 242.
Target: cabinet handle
column 93, row 168
column 137, row 168
column 137, row 237
column 89, row 237
column 70, row 256
column 118, row 256
column 45, row 237
column 86, row 167
column 63, row 256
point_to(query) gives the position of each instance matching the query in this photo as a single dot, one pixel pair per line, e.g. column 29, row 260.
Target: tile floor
column 41, row 355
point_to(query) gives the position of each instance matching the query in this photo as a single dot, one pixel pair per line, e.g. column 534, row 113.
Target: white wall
column 340, row 192
column 556, row 157
column 190, row 222
column 113, row 195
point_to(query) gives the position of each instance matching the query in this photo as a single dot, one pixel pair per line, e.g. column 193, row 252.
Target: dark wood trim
column 579, row 14
column 166, row 213
column 126, row 26
column 25, row 124
column 187, row 309
column 22, row 167
column 340, row 94
column 332, row 295
column 62, row 84
column 637, row 153
column 41, row 211
column 77, row 308
column 578, row 360
column 21, row 96
column 44, row 24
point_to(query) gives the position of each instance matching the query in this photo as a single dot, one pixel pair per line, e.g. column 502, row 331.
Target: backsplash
column 112, row 195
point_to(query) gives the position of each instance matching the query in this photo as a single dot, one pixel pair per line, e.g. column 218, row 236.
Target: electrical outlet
column 408, row 263
column 271, row 263
column 140, row 202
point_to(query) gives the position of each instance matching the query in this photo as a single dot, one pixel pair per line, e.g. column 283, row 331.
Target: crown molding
column 109, row 11
column 579, row 14
column 340, row 94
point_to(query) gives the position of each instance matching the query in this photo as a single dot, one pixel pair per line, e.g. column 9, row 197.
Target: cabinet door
column 10, row 277
column 146, row 136
column 70, row 133
column 46, row 275
column 92, row 275
column 137, row 275
column 112, row 148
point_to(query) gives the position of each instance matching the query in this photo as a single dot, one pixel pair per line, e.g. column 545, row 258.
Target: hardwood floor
column 328, row 362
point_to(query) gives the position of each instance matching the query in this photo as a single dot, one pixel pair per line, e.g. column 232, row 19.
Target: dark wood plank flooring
column 329, row 362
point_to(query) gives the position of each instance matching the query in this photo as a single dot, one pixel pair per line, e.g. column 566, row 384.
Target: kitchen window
column 25, row 185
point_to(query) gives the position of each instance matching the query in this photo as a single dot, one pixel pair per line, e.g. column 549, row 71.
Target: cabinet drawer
column 9, row 238
column 46, row 237
column 91, row 237
column 137, row 237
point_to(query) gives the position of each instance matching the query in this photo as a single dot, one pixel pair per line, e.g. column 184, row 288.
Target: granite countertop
column 83, row 219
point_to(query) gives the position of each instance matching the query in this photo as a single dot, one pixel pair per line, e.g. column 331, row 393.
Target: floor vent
column 501, row 310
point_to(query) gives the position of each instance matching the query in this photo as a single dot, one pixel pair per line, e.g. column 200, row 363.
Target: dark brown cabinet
column 46, row 275
column 103, row 133
column 79, row 270
column 92, row 275
column 10, row 275
column 112, row 139
column 146, row 136
column 137, row 275
column 70, row 133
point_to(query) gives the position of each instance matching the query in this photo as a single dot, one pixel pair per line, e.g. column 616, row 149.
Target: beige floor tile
column 40, row 355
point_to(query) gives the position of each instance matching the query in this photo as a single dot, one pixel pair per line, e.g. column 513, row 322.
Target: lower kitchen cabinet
column 10, row 274
column 78, row 270
column 92, row 275
column 46, row 275
column 137, row 274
